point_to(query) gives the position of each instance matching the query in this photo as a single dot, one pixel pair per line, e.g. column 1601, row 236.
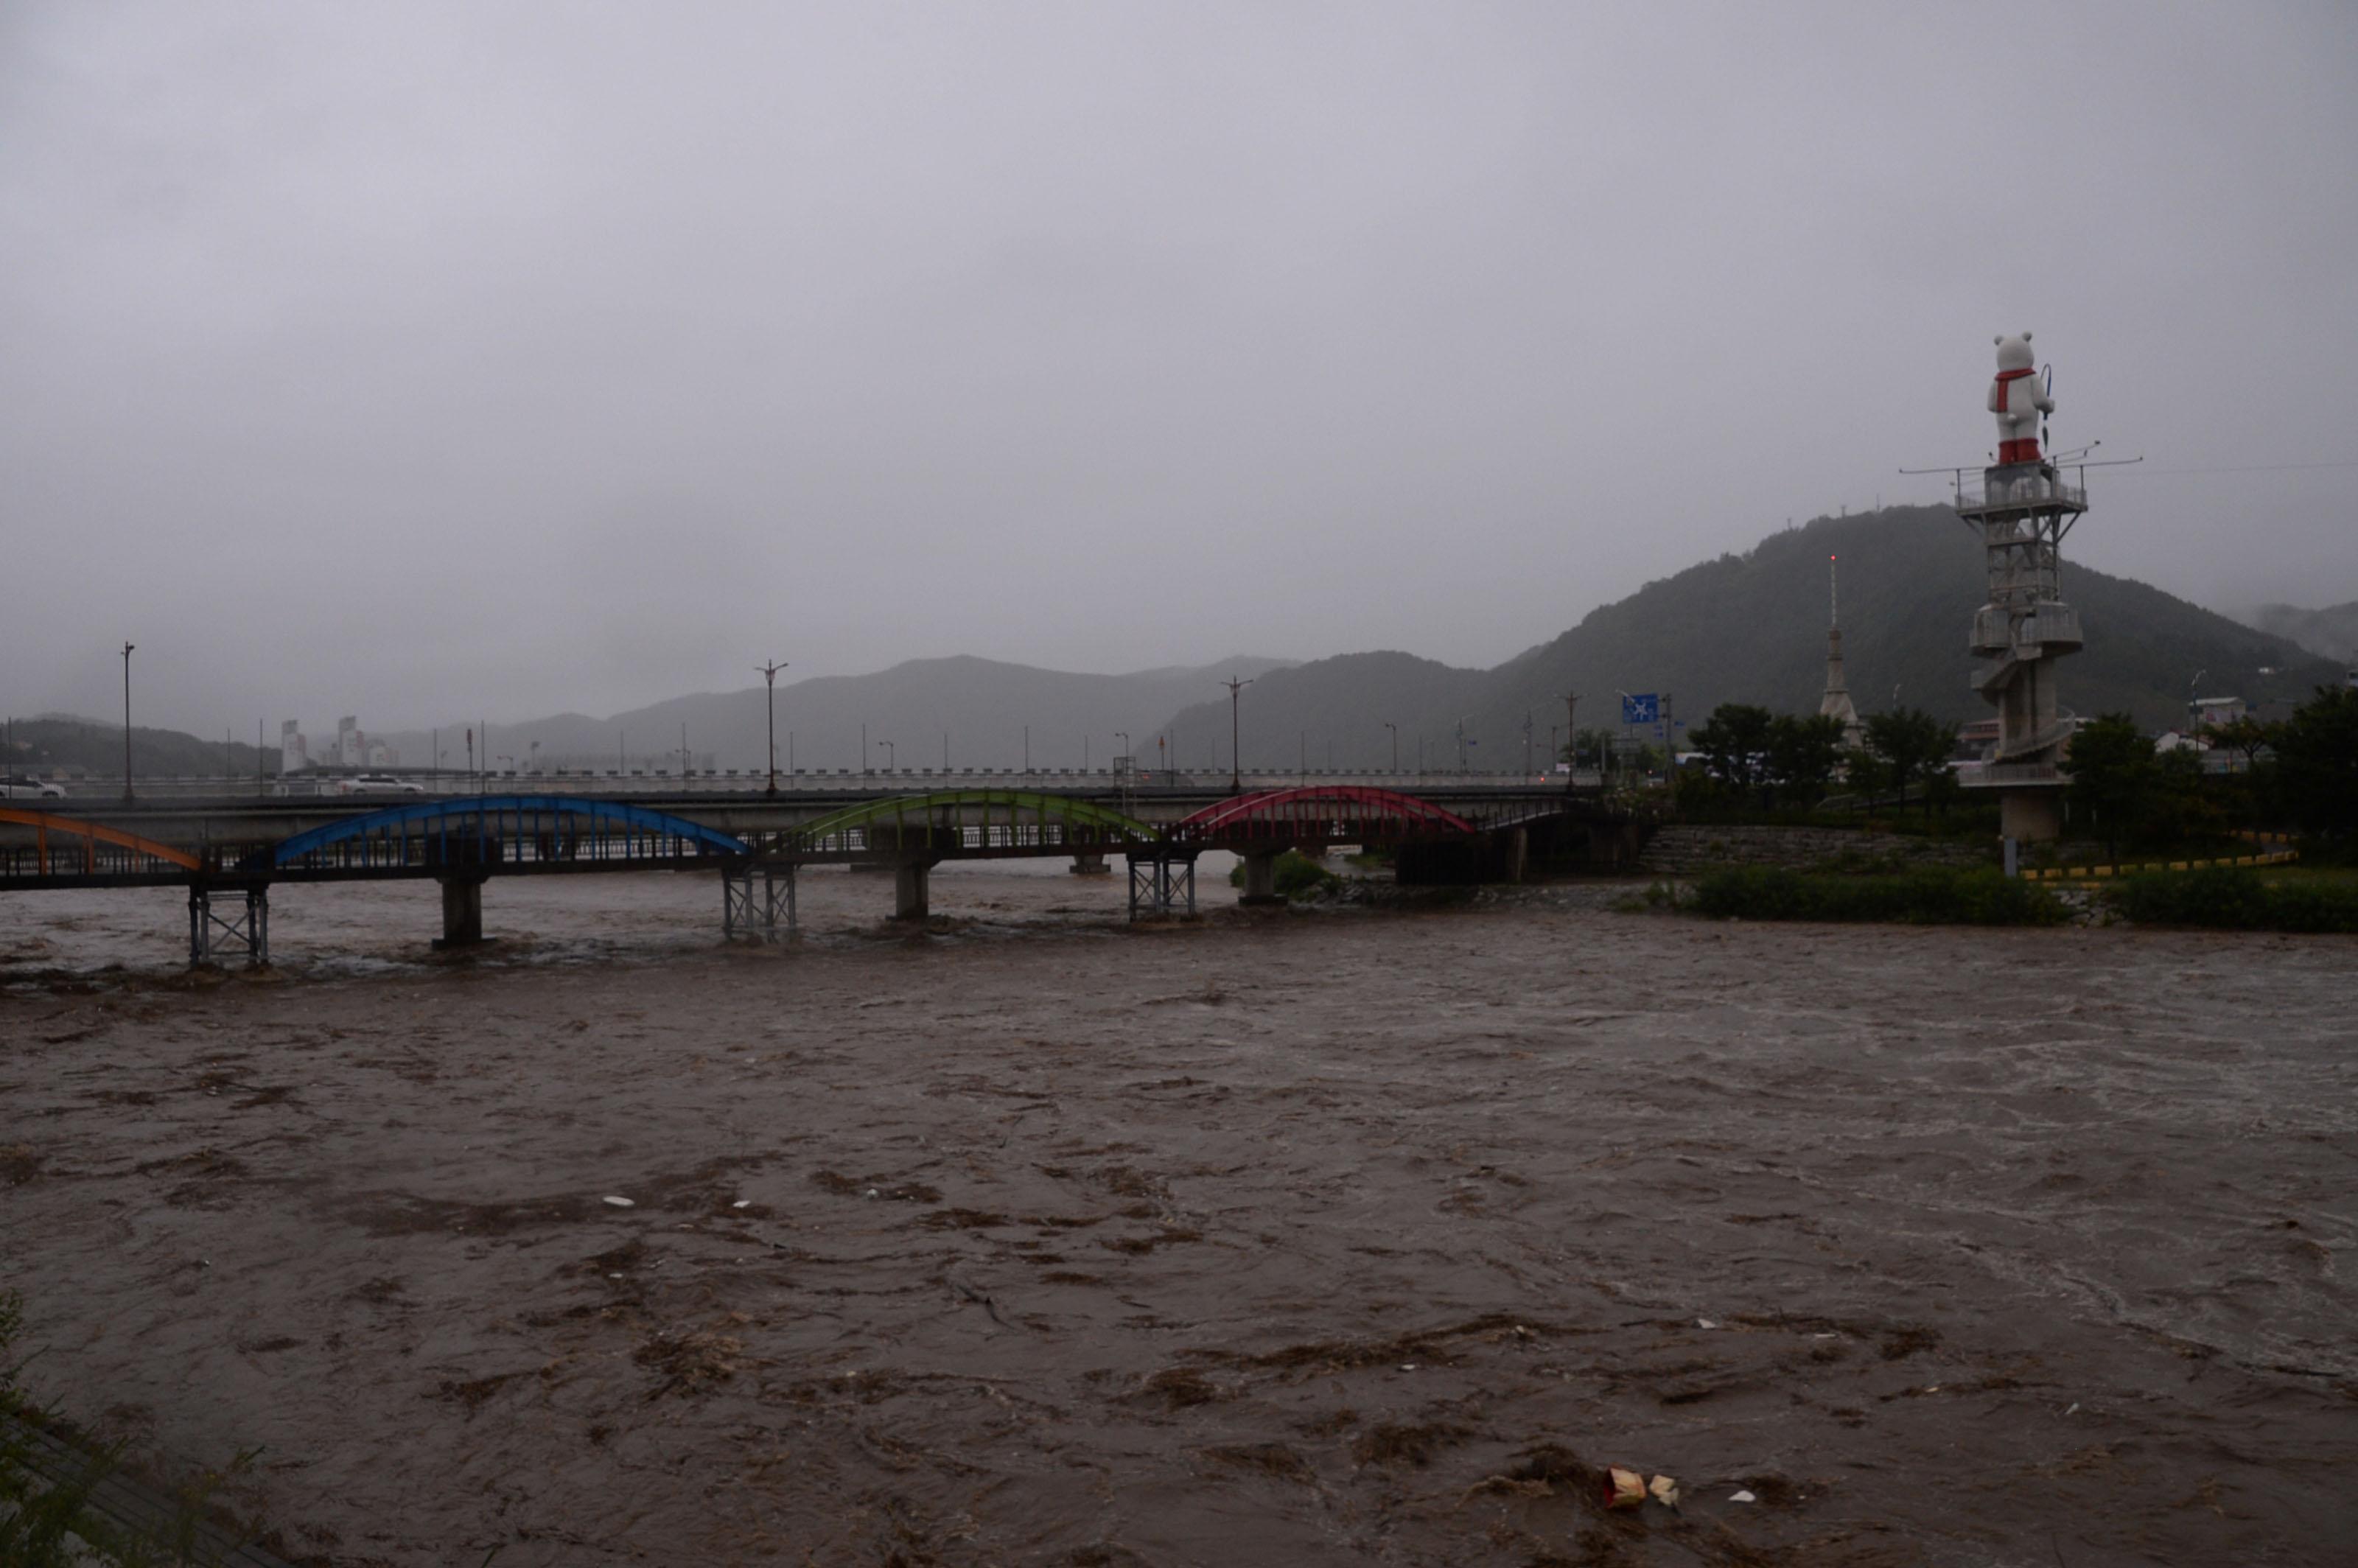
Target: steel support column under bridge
column 214, row 935
column 1162, row 886
column 757, row 900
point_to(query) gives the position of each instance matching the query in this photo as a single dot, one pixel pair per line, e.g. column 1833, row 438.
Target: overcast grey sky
column 431, row 362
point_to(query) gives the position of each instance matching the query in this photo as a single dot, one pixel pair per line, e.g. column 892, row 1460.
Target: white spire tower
column 1836, row 703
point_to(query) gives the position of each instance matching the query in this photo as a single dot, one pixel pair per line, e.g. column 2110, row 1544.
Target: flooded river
column 1334, row 1236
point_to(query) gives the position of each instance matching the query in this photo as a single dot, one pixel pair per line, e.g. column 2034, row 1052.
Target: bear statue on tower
column 2019, row 401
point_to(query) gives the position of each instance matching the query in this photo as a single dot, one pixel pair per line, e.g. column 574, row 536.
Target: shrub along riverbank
column 2218, row 898
column 2226, row 898
column 1929, row 897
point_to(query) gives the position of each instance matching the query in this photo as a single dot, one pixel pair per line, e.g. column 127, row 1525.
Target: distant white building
column 352, row 749
column 2214, row 712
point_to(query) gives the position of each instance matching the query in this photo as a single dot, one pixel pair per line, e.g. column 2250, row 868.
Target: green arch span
column 920, row 807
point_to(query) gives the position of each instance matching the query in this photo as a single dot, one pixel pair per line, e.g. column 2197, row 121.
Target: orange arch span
column 92, row 835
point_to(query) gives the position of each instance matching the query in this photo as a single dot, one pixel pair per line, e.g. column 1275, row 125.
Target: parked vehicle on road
column 30, row 789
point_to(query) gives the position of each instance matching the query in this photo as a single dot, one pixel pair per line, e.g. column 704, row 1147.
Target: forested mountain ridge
column 1752, row 628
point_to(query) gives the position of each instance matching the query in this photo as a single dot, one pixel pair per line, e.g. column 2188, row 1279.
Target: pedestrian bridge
column 756, row 842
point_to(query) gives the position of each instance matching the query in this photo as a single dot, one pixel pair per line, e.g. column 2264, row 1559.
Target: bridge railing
column 1014, row 837
column 542, row 832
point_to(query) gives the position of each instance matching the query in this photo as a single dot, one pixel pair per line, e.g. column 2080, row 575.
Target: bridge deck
column 231, row 842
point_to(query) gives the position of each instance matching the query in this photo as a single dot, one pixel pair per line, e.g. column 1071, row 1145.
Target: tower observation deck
column 2022, row 509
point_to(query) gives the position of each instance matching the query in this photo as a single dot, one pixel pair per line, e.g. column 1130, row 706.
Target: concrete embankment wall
column 1680, row 850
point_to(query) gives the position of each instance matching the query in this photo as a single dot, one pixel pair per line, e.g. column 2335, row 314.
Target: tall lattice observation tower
column 2022, row 509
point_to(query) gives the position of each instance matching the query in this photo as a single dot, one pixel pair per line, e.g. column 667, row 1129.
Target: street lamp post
column 769, row 678
column 892, row 757
column 1236, row 763
column 1671, row 748
column 1395, row 729
column 126, row 721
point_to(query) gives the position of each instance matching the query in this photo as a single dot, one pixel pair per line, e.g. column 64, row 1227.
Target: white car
column 378, row 783
column 30, row 789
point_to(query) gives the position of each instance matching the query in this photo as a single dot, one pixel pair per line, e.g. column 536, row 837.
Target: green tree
column 1912, row 746
column 1802, row 754
column 2247, row 737
column 2317, row 763
column 2188, row 802
column 1589, row 748
column 2255, row 781
column 2113, row 776
column 1735, row 744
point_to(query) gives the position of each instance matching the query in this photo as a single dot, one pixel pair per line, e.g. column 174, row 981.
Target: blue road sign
column 1643, row 708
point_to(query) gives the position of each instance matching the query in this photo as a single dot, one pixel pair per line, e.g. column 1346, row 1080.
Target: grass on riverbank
column 2231, row 899
column 52, row 1512
column 1933, row 896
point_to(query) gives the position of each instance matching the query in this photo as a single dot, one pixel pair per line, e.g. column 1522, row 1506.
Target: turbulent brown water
column 1352, row 1236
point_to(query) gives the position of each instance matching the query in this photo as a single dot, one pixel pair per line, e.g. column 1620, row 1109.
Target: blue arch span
column 485, row 809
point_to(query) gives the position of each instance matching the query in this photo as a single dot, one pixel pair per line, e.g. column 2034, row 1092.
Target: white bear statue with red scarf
column 2018, row 399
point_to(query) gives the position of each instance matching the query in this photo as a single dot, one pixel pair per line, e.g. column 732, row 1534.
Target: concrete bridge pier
column 462, row 912
column 1261, row 877
column 1091, row 866
column 1515, row 851
column 912, row 889
column 2030, row 815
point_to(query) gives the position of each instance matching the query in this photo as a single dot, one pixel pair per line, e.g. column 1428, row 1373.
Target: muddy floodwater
column 1336, row 1237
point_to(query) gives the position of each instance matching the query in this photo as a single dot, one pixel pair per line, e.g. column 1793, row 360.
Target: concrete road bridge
column 229, row 850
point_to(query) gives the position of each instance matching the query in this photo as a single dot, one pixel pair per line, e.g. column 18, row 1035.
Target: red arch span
column 1280, row 807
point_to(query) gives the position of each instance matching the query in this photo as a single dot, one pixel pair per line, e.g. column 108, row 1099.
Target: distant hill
column 1744, row 628
column 2331, row 634
column 1752, row 628
column 1332, row 712
column 976, row 710
column 58, row 744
